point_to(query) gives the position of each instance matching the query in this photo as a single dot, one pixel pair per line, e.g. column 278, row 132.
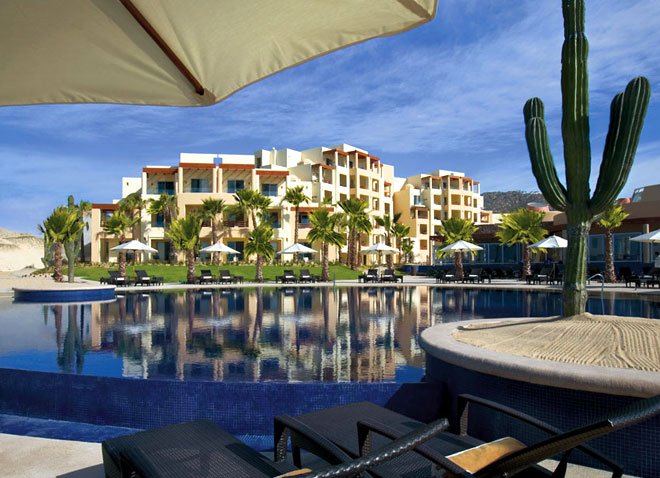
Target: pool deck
column 73, row 459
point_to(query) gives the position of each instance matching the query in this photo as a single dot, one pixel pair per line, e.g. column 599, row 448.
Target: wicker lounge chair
column 545, row 274
column 390, row 276
column 370, row 276
column 305, row 276
column 359, row 427
column 202, row 448
column 631, row 279
column 287, row 277
column 205, row 277
column 142, row 278
column 225, row 277
column 117, row 279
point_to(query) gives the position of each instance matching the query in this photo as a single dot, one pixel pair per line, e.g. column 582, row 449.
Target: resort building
column 328, row 175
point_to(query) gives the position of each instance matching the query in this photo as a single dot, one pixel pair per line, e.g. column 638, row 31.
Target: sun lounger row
column 224, row 277
column 471, row 276
column 387, row 276
column 361, row 437
column 141, row 278
column 289, row 277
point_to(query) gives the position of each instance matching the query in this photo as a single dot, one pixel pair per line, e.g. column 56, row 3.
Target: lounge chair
column 359, row 427
column 225, row 277
column 287, row 277
column 305, row 276
column 205, row 277
column 545, row 274
column 202, row 448
column 370, row 276
column 626, row 274
column 142, row 278
column 117, row 279
column 651, row 277
column 390, row 276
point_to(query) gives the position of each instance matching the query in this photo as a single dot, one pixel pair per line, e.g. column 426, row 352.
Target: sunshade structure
column 221, row 248
column 552, row 242
column 133, row 246
column 174, row 52
column 653, row 236
column 380, row 249
column 461, row 246
column 298, row 248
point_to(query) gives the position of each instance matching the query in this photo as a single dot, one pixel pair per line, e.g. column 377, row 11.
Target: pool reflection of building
column 289, row 334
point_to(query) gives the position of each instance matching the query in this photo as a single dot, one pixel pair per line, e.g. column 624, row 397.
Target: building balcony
column 235, row 223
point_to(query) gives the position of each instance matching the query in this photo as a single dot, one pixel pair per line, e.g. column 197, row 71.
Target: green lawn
column 178, row 273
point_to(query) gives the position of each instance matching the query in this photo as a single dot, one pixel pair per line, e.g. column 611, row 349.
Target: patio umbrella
column 552, row 242
column 221, row 248
column 173, row 52
column 461, row 246
column 380, row 249
column 297, row 248
column 134, row 245
column 653, row 236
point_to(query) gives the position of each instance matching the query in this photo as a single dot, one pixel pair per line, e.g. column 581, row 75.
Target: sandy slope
column 602, row 340
column 19, row 250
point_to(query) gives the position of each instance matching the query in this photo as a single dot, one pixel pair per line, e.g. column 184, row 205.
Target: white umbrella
column 173, row 52
column 552, row 242
column 379, row 247
column 653, row 236
column 219, row 247
column 461, row 246
column 298, row 248
column 133, row 246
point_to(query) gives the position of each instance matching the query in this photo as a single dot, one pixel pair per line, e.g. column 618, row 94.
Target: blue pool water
column 272, row 334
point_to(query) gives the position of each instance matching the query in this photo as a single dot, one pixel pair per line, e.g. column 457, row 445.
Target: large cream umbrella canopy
column 298, row 248
column 552, row 242
column 221, row 248
column 176, row 52
column 461, row 246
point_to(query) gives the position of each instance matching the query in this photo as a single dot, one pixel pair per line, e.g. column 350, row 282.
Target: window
column 158, row 220
column 237, row 246
column 417, row 201
column 596, row 248
column 304, row 218
column 510, row 254
column 199, row 186
column 494, row 253
column 269, row 189
column 234, row 185
column 273, row 219
column 625, row 249
column 166, row 187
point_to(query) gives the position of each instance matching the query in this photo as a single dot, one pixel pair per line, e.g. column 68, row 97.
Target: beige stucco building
column 329, row 174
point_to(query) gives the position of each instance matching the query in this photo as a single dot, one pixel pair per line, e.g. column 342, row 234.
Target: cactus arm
column 543, row 166
column 626, row 120
column 575, row 105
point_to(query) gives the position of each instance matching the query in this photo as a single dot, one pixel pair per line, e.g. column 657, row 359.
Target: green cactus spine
column 626, row 120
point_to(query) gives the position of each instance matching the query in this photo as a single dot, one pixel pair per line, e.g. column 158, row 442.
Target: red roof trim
column 159, row 170
column 268, row 172
column 197, row 165
column 338, row 151
column 110, row 207
column 236, row 166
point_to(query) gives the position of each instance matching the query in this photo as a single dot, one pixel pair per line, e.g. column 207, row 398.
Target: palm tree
column 245, row 204
column 117, row 225
column 407, row 247
column 358, row 222
column 212, row 209
column 260, row 205
column 63, row 225
column 184, row 233
column 400, row 231
column 612, row 218
column 166, row 205
column 84, row 208
column 456, row 229
column 522, row 227
column 132, row 205
column 296, row 196
column 324, row 230
column 387, row 222
column 259, row 243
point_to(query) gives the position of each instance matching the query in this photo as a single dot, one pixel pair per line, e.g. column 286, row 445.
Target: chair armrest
column 308, row 440
column 367, row 427
column 463, row 405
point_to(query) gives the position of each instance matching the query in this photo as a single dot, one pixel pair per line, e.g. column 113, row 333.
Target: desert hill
column 20, row 250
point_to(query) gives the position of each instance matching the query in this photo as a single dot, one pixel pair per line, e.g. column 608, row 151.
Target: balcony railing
column 235, row 224
column 304, row 225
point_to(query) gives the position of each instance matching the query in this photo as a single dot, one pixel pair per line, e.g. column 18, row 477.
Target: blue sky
column 447, row 95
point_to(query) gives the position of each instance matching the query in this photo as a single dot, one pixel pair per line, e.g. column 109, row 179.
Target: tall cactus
column 626, row 120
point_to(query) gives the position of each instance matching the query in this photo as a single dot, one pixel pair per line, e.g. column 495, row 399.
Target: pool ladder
column 602, row 290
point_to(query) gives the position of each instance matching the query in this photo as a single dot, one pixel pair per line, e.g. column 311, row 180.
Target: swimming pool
column 351, row 334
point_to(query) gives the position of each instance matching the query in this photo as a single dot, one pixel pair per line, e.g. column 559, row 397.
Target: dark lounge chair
column 631, row 279
column 305, row 276
column 205, row 277
column 545, row 274
column 142, row 278
column 361, row 426
column 388, row 276
column 116, row 279
column 203, row 449
column 287, row 277
column 370, row 276
column 225, row 277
